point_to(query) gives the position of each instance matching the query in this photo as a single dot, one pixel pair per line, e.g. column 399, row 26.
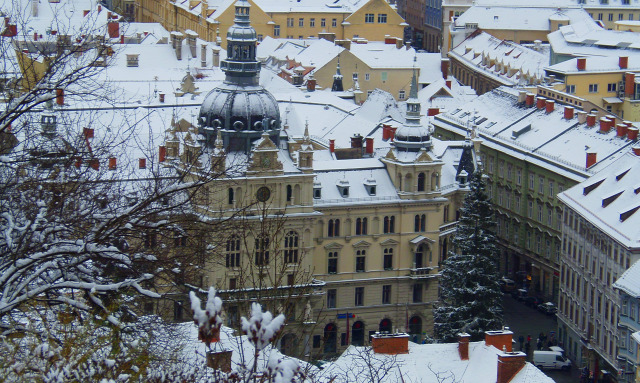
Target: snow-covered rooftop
column 597, row 64
column 534, row 18
column 424, row 361
column 531, row 134
column 609, row 199
column 589, row 39
column 629, row 282
column 506, row 61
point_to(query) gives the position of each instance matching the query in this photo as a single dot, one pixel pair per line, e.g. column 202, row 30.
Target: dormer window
column 371, row 186
column 343, row 188
column 317, row 190
column 132, row 60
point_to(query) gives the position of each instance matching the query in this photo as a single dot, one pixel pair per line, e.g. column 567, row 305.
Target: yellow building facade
column 372, row 20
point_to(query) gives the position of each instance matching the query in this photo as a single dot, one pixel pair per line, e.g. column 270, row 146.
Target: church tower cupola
column 413, row 136
column 240, row 108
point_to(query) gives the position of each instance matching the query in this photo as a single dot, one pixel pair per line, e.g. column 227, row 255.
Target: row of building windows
column 417, row 290
column 262, row 250
column 511, row 173
column 312, row 22
column 387, row 259
column 369, row 18
column 388, row 226
column 610, row 16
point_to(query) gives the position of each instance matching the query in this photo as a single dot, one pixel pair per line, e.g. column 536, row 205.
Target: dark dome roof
column 240, row 108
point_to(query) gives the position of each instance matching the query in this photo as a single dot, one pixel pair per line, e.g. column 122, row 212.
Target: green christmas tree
column 470, row 297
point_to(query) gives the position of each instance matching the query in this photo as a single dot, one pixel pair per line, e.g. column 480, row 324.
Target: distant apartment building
column 629, row 323
column 368, row 19
column 608, row 82
column 599, row 242
column 533, row 149
column 606, row 12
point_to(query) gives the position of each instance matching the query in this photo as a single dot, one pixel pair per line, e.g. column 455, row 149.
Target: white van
column 551, row 359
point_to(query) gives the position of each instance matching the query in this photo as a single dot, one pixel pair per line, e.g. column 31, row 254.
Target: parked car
column 550, row 359
column 548, row 308
column 519, row 294
column 507, row 285
column 532, row 301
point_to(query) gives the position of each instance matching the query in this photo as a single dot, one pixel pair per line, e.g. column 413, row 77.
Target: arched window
column 415, row 328
column 419, row 223
column 289, row 193
column 420, row 182
column 385, row 325
column 330, row 336
column 291, row 247
column 262, row 250
column 333, row 228
column 233, row 251
column 361, row 226
column 389, row 224
column 231, row 196
column 357, row 334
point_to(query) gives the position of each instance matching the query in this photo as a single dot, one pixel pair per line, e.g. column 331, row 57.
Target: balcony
column 422, row 273
column 631, row 324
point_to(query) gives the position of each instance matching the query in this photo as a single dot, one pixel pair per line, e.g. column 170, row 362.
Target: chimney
column 114, row 29
column 621, row 130
column 582, row 63
column 369, row 145
column 329, row 36
column 60, row 96
column 112, row 163
column 448, row 83
column 591, row 120
column 332, row 145
column 203, row 55
column 392, row 344
column 632, row 133
column 311, row 84
column 623, row 62
column 85, row 13
column 540, row 102
column 522, row 96
column 433, row 111
column 407, row 45
column 582, row 117
column 109, row 15
column 216, row 57
column 389, row 40
column 592, row 158
column 94, row 163
column 99, row 8
column 636, row 149
column 162, row 155
column 392, row 131
column 142, row 162
column 529, row 100
column 121, row 39
column 346, row 44
column 87, row 132
column 605, row 125
column 568, row 112
column 161, row 96
column 629, row 84
column 444, row 68
column 463, row 345
column 386, row 132
column 550, row 105
column 356, row 141
column 499, row 339
column 509, row 364
column 191, row 42
column 399, row 43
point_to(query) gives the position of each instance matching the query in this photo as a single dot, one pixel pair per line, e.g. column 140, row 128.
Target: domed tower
column 412, row 136
column 240, row 108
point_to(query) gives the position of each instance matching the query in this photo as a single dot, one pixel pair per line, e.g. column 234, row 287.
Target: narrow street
column 524, row 320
